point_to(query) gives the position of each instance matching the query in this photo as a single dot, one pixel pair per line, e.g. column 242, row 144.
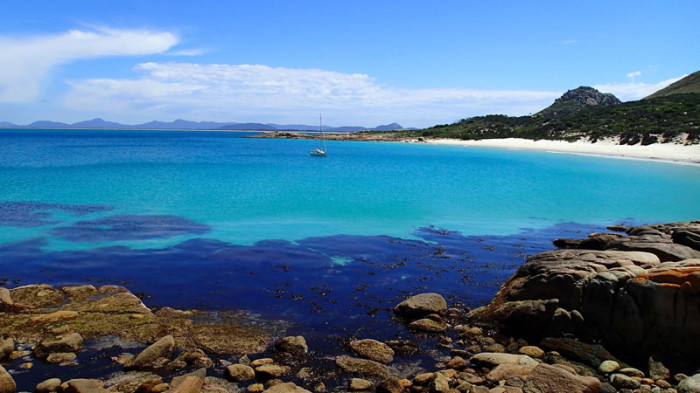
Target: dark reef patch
column 36, row 214
column 129, row 227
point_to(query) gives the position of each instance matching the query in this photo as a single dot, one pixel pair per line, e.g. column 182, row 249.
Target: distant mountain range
column 180, row 124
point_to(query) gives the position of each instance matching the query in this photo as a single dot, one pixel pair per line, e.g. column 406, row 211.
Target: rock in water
column 373, row 350
column 162, row 348
column 48, row 386
column 84, row 386
column 71, row 342
column 421, row 305
column 240, row 372
column 390, row 385
column 7, row 383
column 7, row 346
column 294, row 345
column 362, row 367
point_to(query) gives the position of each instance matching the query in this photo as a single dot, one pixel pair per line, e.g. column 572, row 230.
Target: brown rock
column 260, row 362
column 6, row 302
column 428, row 325
column 7, row 383
column 373, row 350
column 362, row 367
column 72, row 342
column 294, row 345
column 359, row 384
column 53, row 317
column 48, row 386
column 420, row 305
column 7, row 346
column 162, row 348
column 457, row 363
column 531, row 351
column 288, row 387
column 506, row 371
column 390, row 385
column 550, row 379
column 83, row 386
column 440, row 384
column 490, row 359
column 271, row 370
column 240, row 372
column 188, row 383
column 61, row 357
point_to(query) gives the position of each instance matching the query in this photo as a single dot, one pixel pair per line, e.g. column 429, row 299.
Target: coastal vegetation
column 586, row 113
column 654, row 120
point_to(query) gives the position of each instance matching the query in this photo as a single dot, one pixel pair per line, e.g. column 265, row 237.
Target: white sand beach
column 671, row 152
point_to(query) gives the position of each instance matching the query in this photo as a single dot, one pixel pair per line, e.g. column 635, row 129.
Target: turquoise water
column 214, row 221
column 249, row 190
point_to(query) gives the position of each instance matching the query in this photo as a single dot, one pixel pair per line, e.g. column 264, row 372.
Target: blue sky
column 364, row 63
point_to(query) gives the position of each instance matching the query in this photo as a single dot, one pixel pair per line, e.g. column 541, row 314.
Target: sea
column 325, row 246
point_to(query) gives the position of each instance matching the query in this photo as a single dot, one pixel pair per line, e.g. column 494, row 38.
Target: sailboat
column 321, row 150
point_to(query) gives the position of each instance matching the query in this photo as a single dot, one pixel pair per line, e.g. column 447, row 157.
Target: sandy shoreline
column 676, row 153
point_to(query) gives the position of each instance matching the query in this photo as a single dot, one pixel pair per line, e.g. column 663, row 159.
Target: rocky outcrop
column 7, row 383
column 637, row 294
column 579, row 99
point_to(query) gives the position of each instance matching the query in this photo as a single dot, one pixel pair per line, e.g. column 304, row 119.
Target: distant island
column 180, row 124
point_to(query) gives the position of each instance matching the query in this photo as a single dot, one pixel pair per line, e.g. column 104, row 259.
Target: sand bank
column 667, row 151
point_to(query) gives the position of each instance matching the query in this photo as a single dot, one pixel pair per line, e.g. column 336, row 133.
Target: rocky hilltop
column 577, row 100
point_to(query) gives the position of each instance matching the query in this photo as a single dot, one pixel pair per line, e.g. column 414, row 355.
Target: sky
column 360, row 62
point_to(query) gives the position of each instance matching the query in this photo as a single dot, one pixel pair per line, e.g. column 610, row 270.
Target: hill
column 689, row 84
column 647, row 121
column 577, row 100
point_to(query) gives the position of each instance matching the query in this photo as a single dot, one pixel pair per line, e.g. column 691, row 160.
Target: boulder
column 551, row 379
column 491, row 359
column 288, row 387
column 621, row 381
column 7, row 383
column 7, row 346
column 357, row 384
column 373, row 350
column 6, row 302
column 162, row 348
column 240, row 372
column 690, row 385
column 506, row 371
column 608, row 367
column 421, row 305
column 389, row 385
column 271, row 370
column 293, row 345
column 83, row 386
column 440, row 384
column 629, row 301
column 428, row 325
column 657, row 370
column 361, row 367
column 188, row 383
column 48, row 386
column 71, row 342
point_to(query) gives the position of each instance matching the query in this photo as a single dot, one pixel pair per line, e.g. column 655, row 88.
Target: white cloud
column 634, row 74
column 634, row 90
column 26, row 62
column 261, row 93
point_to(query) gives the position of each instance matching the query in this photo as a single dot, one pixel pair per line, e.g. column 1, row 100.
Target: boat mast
column 320, row 129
